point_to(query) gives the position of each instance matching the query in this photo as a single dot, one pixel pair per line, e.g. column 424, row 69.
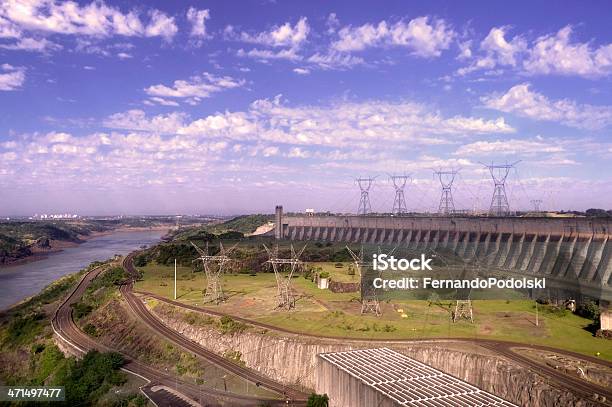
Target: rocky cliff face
column 291, row 359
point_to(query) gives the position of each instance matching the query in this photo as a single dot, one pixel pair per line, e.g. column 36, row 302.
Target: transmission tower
column 399, row 203
column 369, row 299
column 364, row 201
column 285, row 297
column 463, row 309
column 536, row 204
column 446, row 178
column 214, row 291
column 499, row 202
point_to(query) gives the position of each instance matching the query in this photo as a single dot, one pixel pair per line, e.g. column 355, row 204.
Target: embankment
column 292, row 360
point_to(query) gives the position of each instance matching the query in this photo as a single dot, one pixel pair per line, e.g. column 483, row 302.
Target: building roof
column 410, row 382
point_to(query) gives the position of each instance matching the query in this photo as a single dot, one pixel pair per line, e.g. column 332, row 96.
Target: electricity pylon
column 447, row 206
column 369, row 299
column 499, row 202
column 536, row 204
column 285, row 297
column 399, row 183
column 214, row 291
column 364, row 201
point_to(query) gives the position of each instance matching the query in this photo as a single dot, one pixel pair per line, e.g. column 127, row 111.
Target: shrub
column 324, row 274
column 317, row 400
column 90, row 330
column 81, row 309
column 24, row 329
column 588, row 310
column 229, row 326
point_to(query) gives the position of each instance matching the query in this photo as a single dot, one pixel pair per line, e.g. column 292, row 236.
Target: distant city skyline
column 204, row 107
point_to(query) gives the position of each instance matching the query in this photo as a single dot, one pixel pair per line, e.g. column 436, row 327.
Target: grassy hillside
column 30, row 357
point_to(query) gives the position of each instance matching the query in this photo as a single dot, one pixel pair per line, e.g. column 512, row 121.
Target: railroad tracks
column 138, row 308
column 79, row 343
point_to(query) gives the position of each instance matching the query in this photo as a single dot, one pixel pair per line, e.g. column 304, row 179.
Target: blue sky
column 220, row 107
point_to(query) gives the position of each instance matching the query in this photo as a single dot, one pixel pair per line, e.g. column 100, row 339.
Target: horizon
column 186, row 107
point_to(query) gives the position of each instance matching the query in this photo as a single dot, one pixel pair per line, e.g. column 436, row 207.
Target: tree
column 317, row 400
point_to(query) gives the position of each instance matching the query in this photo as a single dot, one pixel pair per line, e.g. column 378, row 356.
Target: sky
column 217, row 107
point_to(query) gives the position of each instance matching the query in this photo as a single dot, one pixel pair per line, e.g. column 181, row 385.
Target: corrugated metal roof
column 410, row 382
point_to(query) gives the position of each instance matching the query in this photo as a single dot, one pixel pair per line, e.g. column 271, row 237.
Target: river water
column 24, row 280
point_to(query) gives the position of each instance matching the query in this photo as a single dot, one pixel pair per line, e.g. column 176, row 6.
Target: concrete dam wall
column 574, row 253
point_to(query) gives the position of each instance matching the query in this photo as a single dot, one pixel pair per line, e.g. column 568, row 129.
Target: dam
column 574, row 254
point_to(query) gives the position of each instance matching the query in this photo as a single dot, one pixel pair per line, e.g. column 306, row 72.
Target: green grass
column 339, row 274
column 321, row 312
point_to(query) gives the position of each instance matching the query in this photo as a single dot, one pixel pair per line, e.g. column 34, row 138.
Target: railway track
column 66, row 329
column 155, row 324
column 593, row 392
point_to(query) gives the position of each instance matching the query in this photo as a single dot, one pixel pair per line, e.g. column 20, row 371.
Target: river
column 21, row 281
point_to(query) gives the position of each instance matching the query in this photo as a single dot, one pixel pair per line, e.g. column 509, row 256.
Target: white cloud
column 161, row 101
column 196, row 88
column 359, row 124
column 555, row 54
column 521, row 100
column 94, row 19
column 32, row 44
column 297, row 152
column 161, row 26
column 270, row 151
column 266, row 54
column 421, row 37
column 496, row 51
column 547, row 55
column 332, row 23
column 11, row 78
column 198, row 18
column 510, row 147
column 301, row 71
column 124, row 55
column 335, row 60
column 137, row 120
column 284, row 35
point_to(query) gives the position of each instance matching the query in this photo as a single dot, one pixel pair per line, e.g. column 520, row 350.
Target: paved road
column 67, row 330
column 579, row 387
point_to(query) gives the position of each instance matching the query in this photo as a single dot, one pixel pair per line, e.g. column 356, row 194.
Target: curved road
column 66, row 329
column 577, row 386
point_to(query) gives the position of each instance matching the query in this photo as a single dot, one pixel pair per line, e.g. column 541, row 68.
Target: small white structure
column 323, row 283
column 309, row 212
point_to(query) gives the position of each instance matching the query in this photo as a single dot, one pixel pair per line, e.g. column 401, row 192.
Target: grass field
column 322, row 312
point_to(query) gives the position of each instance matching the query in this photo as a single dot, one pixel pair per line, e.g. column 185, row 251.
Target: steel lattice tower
column 399, row 183
column 447, row 206
column 369, row 299
column 214, row 291
column 536, row 204
column 499, row 202
column 364, row 201
column 285, row 296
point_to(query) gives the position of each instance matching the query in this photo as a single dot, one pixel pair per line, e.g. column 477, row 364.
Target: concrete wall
column 572, row 253
column 345, row 390
column 292, row 359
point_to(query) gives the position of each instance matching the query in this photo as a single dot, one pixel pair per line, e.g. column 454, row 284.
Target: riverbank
column 37, row 252
column 18, row 282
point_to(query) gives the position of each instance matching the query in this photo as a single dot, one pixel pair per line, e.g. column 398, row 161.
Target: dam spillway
column 574, row 253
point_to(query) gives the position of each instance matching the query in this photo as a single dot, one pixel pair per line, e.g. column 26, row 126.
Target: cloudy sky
column 233, row 107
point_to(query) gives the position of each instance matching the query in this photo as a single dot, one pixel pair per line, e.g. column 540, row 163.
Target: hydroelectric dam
column 574, row 254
